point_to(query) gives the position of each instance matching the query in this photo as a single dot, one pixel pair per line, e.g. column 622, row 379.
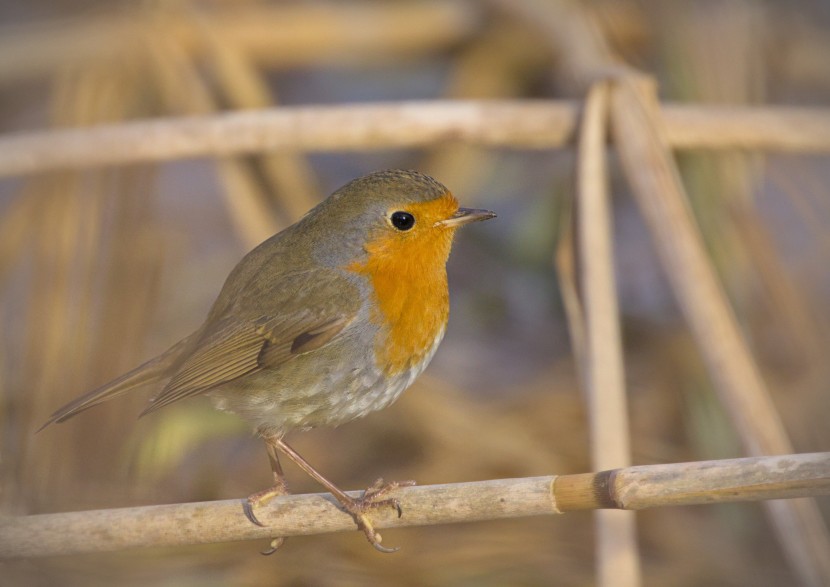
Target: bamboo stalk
column 656, row 184
column 617, row 554
column 517, row 124
column 748, row 479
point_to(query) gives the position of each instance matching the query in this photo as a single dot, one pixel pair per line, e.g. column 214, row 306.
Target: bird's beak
column 464, row 216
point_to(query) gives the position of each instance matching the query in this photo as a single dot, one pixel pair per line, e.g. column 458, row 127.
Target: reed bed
column 173, row 137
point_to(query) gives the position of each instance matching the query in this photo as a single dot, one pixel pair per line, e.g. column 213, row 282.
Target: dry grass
column 100, row 268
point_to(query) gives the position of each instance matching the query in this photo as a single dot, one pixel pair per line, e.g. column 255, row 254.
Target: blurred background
column 102, row 269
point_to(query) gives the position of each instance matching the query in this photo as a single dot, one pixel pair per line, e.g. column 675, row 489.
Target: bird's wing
column 235, row 347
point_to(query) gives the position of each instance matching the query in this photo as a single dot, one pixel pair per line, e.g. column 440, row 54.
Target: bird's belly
column 327, row 387
column 278, row 401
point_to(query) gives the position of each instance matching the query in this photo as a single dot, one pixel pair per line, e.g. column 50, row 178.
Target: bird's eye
column 402, row 220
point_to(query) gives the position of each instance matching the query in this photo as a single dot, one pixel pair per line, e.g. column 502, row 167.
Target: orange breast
column 409, row 280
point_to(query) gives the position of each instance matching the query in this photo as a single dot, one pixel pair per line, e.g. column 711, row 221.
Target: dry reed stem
column 308, row 128
column 570, row 35
column 494, row 67
column 751, row 128
column 14, row 233
column 289, row 173
column 565, row 264
column 617, row 555
column 787, row 302
column 507, row 123
column 748, row 479
column 655, row 181
column 247, row 205
column 643, row 142
column 73, row 213
column 339, row 32
column 278, row 35
column 807, row 198
column 36, row 51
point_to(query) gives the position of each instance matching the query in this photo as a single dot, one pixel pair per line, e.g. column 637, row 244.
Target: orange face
column 407, row 268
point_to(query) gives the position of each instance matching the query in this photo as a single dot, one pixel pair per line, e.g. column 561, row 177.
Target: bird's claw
column 374, row 538
column 248, row 508
column 370, row 500
column 275, row 544
column 261, row 498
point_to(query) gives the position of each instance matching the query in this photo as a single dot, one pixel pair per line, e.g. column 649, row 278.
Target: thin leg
column 280, row 487
column 276, row 468
column 356, row 507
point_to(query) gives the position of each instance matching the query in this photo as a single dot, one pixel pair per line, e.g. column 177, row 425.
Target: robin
column 324, row 322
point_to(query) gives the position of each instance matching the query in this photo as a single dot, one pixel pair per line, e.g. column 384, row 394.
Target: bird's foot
column 373, row 498
column 261, row 498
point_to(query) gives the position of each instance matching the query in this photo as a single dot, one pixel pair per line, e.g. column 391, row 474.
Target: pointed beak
column 464, row 216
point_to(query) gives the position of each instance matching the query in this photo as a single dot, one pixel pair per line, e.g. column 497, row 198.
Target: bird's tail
column 153, row 370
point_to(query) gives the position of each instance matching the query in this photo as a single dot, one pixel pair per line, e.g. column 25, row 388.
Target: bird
column 324, row 322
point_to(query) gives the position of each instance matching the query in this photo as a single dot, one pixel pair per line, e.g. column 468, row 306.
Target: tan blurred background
column 102, row 269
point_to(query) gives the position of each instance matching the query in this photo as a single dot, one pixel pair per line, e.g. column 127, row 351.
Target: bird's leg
column 356, row 507
column 280, row 487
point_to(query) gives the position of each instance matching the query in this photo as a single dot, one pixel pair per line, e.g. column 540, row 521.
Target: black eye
column 402, row 220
